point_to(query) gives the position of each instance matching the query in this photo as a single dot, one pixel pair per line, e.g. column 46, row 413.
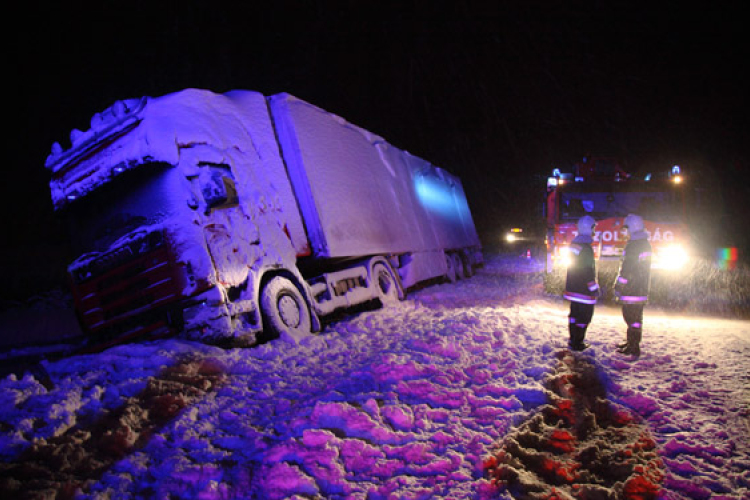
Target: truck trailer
column 237, row 217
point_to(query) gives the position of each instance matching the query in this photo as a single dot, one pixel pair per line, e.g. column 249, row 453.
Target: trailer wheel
column 284, row 308
column 385, row 284
column 459, row 266
column 451, row 266
column 468, row 265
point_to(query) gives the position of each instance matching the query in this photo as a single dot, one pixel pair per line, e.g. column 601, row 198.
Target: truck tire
column 459, row 266
column 385, row 284
column 468, row 265
column 284, row 309
column 451, row 265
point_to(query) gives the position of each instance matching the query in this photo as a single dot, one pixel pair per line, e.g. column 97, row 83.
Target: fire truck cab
column 601, row 188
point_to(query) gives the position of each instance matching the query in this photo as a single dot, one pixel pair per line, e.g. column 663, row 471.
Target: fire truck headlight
column 564, row 257
column 673, row 257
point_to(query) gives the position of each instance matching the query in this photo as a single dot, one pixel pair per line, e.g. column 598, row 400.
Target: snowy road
column 412, row 401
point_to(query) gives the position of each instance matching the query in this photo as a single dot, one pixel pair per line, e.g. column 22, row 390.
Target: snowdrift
column 412, row 401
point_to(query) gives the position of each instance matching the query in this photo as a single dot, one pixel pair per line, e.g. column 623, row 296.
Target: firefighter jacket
column 580, row 284
column 633, row 282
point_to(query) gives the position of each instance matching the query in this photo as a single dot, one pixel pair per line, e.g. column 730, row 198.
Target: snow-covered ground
column 461, row 391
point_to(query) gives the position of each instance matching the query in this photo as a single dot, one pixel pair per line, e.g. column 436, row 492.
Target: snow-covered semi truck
column 227, row 215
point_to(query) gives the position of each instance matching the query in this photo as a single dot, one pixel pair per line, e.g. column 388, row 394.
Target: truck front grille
column 134, row 293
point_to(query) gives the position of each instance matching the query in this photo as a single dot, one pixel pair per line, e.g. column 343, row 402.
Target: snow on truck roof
column 132, row 132
column 113, row 120
column 125, row 114
column 169, row 110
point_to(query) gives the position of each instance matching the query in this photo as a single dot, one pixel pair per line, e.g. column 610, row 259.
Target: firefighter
column 581, row 288
column 633, row 283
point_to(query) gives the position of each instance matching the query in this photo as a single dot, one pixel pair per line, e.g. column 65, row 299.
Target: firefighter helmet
column 586, row 225
column 634, row 223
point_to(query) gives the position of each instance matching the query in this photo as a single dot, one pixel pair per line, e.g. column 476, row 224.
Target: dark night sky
column 495, row 92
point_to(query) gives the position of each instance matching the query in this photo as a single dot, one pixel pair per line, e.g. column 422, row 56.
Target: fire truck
column 603, row 189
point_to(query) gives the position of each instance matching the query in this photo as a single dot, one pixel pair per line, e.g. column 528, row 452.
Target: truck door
column 231, row 235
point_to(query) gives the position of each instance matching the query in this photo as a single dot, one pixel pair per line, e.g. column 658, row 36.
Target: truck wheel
column 284, row 308
column 468, row 265
column 385, row 284
column 459, row 266
column 451, row 265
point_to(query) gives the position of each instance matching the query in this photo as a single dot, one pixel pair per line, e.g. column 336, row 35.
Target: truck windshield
column 656, row 205
column 144, row 196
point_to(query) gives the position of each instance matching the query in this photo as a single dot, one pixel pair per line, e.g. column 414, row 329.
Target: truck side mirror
column 218, row 189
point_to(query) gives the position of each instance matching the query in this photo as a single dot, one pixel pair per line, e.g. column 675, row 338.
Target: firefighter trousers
column 633, row 316
column 579, row 319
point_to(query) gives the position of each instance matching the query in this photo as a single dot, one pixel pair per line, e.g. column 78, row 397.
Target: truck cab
column 167, row 222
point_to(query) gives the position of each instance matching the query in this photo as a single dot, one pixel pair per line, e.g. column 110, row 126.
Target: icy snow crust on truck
column 237, row 187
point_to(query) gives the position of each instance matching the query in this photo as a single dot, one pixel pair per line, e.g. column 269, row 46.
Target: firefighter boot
column 577, row 334
column 623, row 347
column 633, row 346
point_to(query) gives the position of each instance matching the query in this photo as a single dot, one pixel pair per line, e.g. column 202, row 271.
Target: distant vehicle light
column 515, row 234
column 551, row 182
column 676, row 174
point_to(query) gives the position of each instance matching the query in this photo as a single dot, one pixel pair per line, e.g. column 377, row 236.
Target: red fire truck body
column 599, row 187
